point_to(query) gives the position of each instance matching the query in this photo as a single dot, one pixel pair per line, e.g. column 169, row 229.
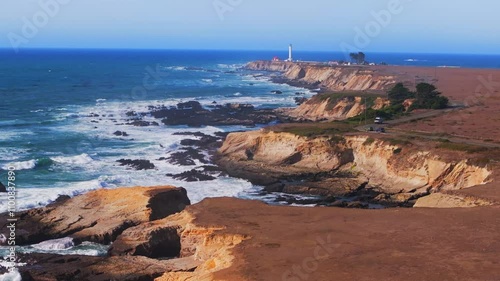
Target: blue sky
column 428, row 26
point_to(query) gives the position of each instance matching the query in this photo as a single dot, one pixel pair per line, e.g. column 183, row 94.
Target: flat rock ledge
column 98, row 216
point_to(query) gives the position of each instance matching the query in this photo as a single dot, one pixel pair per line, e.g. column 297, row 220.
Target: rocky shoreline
column 332, row 185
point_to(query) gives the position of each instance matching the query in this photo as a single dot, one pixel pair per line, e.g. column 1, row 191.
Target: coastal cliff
column 328, row 107
column 332, row 78
column 386, row 165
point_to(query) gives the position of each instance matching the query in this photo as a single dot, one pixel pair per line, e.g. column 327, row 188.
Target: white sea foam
column 14, row 134
column 73, row 160
column 415, row 60
column 207, row 80
column 23, row 165
column 177, row 68
column 29, row 198
column 230, row 66
column 56, row 244
column 12, row 153
column 64, row 246
column 13, row 275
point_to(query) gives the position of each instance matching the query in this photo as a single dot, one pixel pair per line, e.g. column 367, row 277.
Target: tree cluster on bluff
column 403, row 100
column 425, row 97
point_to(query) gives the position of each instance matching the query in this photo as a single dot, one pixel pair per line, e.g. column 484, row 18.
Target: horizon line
column 244, row 50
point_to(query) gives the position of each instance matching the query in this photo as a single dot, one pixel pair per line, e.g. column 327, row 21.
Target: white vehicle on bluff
column 379, row 120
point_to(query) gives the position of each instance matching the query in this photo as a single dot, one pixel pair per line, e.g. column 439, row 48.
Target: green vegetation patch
column 462, row 147
column 369, row 141
column 394, row 141
column 331, row 129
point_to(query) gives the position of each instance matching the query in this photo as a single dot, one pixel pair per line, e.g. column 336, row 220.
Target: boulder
column 120, row 133
column 140, row 123
column 2, row 187
column 193, row 114
column 192, row 175
column 137, row 164
column 187, row 157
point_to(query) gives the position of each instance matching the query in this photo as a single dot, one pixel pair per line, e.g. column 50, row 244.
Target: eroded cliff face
column 333, row 109
column 397, row 168
column 317, row 154
column 392, row 169
column 334, row 78
column 211, row 247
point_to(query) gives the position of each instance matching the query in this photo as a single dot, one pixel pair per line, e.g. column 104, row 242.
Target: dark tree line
column 426, row 96
column 359, row 58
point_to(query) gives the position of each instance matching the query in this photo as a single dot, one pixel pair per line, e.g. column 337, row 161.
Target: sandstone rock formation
column 332, row 78
column 391, row 168
column 98, row 216
column 54, row 267
column 210, row 246
column 150, row 243
column 316, row 108
column 443, row 200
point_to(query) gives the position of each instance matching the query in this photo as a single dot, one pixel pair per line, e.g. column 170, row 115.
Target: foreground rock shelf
column 234, row 239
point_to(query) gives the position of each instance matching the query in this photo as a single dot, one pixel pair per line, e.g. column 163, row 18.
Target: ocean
column 47, row 96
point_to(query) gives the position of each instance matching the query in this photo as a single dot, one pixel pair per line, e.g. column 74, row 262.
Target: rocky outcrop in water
column 137, row 164
column 194, row 115
column 193, row 175
column 120, row 133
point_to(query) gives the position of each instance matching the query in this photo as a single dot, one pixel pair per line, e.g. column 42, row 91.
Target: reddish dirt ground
column 477, row 89
column 324, row 244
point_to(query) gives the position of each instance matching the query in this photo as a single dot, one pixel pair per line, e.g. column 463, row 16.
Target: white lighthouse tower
column 290, row 49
